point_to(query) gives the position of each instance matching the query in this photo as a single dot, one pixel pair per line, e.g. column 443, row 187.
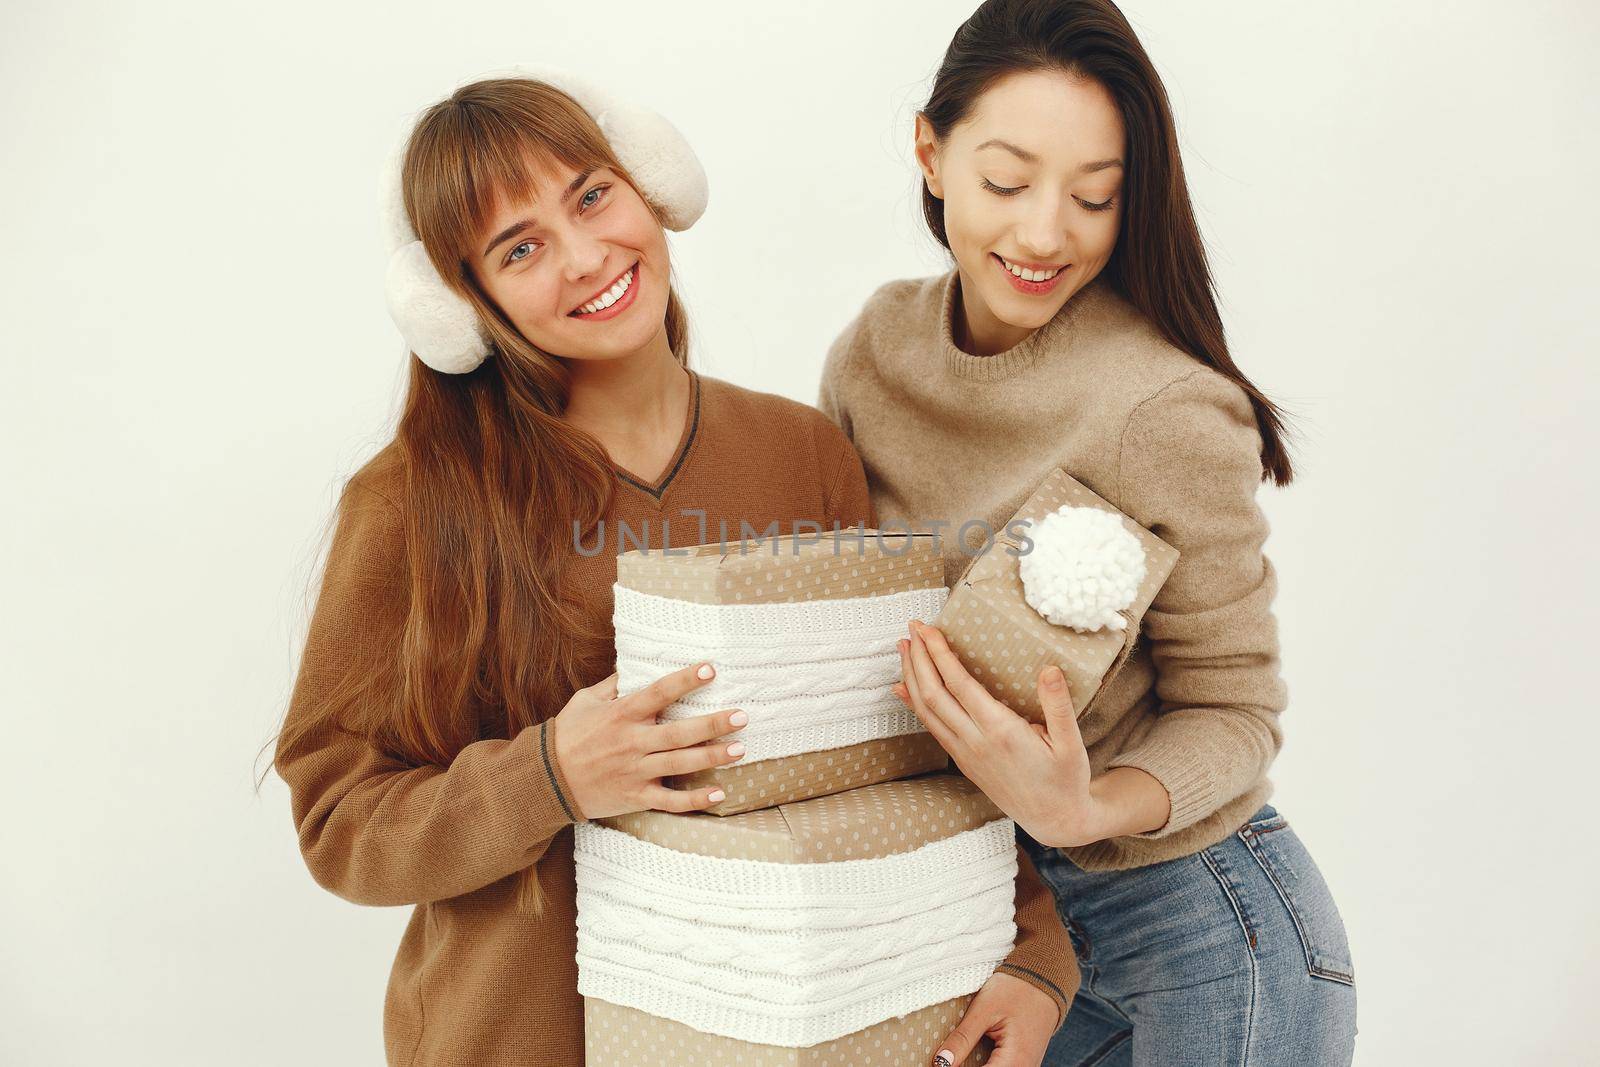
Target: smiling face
column 1031, row 182
column 579, row 266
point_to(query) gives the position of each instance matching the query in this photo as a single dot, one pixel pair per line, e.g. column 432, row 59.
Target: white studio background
column 1399, row 202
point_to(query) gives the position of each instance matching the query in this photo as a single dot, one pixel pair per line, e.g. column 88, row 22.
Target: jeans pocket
column 1299, row 884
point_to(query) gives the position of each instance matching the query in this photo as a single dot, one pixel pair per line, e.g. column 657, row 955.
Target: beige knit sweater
column 948, row 436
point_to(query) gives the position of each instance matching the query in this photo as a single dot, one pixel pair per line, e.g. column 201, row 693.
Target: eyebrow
column 522, row 224
column 1028, row 157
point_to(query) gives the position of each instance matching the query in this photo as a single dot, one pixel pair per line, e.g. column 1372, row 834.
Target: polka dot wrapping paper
column 787, row 569
column 857, row 732
column 616, row 1036
column 1004, row 643
column 639, row 1009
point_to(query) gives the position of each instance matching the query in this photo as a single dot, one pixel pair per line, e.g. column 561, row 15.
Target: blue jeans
column 1234, row 955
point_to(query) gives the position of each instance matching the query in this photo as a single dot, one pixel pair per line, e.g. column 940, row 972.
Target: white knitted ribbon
column 755, row 915
column 791, row 953
column 760, row 888
column 813, row 675
column 727, row 1016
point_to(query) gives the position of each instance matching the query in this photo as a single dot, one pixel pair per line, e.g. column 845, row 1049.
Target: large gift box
column 1070, row 591
column 802, row 630
column 850, row 929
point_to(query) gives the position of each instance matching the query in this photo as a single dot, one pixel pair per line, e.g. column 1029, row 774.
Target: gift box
column 803, row 631
column 1094, row 573
column 847, row 929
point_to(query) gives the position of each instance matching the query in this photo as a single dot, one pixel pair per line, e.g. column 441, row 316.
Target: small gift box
column 850, row 929
column 1070, row 590
column 803, row 632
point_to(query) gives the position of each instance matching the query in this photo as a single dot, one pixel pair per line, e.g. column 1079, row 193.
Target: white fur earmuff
column 440, row 326
column 1084, row 569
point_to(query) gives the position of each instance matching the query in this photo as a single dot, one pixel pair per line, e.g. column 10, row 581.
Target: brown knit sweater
column 475, row 982
column 946, row 436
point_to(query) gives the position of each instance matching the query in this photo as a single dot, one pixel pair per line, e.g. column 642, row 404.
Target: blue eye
column 512, row 257
column 1002, row 190
column 593, row 196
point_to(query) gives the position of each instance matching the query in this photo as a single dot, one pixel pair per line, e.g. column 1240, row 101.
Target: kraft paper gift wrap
column 851, row 929
column 1004, row 643
column 802, row 631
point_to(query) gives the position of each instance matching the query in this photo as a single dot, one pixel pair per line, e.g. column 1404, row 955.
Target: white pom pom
column 1084, row 568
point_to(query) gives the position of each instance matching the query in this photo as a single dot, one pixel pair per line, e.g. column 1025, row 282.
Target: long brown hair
column 1159, row 264
column 494, row 478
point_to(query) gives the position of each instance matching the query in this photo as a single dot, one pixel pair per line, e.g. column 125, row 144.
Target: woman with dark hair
column 456, row 711
column 1079, row 329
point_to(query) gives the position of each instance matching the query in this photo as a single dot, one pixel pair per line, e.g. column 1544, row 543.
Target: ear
column 927, row 152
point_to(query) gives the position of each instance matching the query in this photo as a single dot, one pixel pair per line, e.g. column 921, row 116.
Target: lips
column 628, row 284
column 1036, row 287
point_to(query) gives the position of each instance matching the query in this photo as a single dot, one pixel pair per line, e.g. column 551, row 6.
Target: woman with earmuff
column 1078, row 329
column 455, row 713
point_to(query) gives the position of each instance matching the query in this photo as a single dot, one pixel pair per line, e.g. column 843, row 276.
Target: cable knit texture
column 946, row 436
column 791, row 953
column 474, row 980
column 803, row 694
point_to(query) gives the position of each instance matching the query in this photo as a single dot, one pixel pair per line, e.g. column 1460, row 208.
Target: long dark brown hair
column 494, row 477
column 1159, row 263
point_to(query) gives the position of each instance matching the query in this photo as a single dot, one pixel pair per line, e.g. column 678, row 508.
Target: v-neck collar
column 691, row 424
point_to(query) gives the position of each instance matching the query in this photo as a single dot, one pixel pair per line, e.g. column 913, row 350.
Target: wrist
column 558, row 767
column 1127, row 800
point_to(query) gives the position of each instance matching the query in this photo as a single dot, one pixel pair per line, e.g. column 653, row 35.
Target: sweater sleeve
column 1043, row 955
column 849, row 502
column 374, row 829
column 830, row 393
column 1189, row 468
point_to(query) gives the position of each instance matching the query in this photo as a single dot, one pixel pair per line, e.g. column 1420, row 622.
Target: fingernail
column 944, row 1059
column 739, row 718
column 903, row 644
column 717, row 795
column 736, row 749
column 1054, row 678
column 705, row 670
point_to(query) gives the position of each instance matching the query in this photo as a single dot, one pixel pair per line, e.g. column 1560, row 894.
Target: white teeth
column 610, row 296
column 1030, row 275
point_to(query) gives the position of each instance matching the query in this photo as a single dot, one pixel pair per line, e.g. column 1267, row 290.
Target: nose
column 1042, row 232
column 585, row 257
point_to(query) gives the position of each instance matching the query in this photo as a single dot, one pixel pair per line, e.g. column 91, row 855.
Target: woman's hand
column 614, row 753
column 1017, row 1016
column 1037, row 774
